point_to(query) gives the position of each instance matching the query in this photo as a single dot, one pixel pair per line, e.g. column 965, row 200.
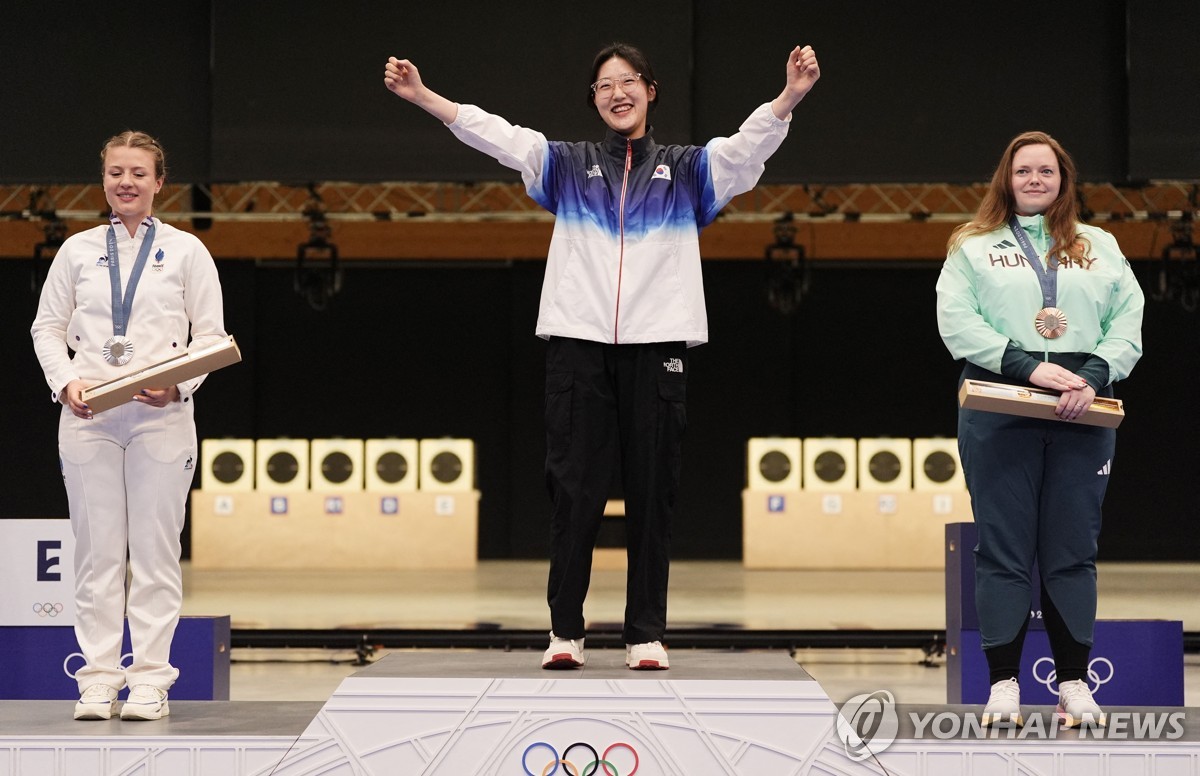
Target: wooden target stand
column 338, row 531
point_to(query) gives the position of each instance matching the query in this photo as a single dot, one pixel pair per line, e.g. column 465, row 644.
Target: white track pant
column 127, row 473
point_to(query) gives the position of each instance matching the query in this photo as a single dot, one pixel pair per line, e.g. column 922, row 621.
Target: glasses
column 604, row 86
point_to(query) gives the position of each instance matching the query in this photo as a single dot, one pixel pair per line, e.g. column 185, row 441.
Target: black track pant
column 610, row 406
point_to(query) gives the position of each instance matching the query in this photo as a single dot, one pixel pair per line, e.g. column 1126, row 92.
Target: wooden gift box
column 115, row 392
column 1034, row 403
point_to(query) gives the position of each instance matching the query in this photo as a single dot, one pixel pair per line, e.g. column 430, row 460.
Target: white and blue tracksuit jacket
column 624, row 259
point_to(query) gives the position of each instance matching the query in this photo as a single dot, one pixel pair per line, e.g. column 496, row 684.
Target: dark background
column 293, row 92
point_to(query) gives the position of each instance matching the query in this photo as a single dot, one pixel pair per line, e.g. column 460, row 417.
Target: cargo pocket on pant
column 672, row 422
column 673, row 395
column 558, row 414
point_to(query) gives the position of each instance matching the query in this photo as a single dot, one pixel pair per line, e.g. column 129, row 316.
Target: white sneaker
column 1004, row 705
column 145, row 702
column 563, row 653
column 96, row 702
column 646, row 657
column 1076, row 706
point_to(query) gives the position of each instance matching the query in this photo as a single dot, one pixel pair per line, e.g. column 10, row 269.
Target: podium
column 1133, row 662
column 40, row 661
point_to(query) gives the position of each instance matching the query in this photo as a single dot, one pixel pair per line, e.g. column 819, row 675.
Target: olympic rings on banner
column 48, row 609
column 1094, row 678
column 595, row 758
column 128, row 656
column 570, row 769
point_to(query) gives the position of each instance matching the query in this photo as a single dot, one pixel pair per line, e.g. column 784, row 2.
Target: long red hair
column 1062, row 217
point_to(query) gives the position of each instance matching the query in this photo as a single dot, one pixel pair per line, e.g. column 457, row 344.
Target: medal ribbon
column 1047, row 279
column 121, row 308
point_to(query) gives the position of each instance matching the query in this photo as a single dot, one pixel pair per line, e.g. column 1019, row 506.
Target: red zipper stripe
column 621, row 256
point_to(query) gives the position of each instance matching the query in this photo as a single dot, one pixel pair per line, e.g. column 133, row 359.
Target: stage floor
column 512, row 595
column 455, row 711
column 704, row 594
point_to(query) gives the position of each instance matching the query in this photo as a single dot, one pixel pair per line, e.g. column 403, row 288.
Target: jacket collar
column 643, row 147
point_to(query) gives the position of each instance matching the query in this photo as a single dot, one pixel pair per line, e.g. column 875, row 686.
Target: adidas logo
column 1004, row 244
column 1106, row 468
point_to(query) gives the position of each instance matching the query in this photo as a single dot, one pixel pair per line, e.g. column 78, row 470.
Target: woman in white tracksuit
column 622, row 301
column 120, row 297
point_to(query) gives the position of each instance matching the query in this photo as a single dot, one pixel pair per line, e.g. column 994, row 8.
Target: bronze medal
column 1050, row 322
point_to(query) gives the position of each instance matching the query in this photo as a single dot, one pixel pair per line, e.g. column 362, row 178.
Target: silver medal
column 118, row 350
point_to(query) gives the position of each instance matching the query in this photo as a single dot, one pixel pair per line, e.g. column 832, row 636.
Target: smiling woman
column 1037, row 485
column 1035, row 179
column 624, row 90
column 622, row 301
column 133, row 174
column 127, row 471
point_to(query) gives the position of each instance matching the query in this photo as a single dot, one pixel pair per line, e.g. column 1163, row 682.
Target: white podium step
column 484, row 712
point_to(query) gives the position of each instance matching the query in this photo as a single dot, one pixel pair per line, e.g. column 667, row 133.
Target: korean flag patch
column 661, row 172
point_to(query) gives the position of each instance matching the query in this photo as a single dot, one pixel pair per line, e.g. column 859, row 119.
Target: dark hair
column 634, row 57
column 137, row 140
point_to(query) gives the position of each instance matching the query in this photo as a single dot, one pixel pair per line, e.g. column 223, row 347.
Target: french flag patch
column 661, row 172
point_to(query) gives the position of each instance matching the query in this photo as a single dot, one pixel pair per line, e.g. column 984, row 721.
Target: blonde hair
column 137, row 140
column 1062, row 217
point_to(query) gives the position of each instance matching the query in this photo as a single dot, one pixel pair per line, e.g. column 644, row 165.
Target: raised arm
column 802, row 72
column 402, row 78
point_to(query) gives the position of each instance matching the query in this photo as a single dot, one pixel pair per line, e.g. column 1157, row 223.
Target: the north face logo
column 674, row 365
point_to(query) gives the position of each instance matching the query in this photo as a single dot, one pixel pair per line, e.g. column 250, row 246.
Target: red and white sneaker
column 646, row 657
column 563, row 653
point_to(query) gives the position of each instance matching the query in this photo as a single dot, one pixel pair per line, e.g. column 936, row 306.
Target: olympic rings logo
column 1094, row 679
column 67, row 661
column 571, row 769
column 48, row 609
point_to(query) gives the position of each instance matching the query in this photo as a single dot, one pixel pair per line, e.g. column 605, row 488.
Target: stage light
column 773, row 464
column 318, row 277
column 227, row 465
column 391, row 465
column 830, row 463
column 54, row 231
column 885, row 464
column 787, row 272
column 1179, row 273
column 936, row 465
column 281, row 465
column 336, row 464
column 447, row 464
